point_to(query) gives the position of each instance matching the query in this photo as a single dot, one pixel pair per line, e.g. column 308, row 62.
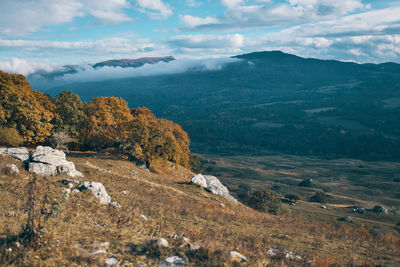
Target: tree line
column 31, row 117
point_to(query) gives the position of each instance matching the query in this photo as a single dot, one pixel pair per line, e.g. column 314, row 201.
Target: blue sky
column 45, row 34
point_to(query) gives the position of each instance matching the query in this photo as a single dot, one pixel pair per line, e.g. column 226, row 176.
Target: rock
column 111, row 262
column 158, row 243
column 273, row 252
column 102, row 245
column 346, row 219
column 54, row 158
column 323, row 207
column 75, row 191
column 115, row 205
column 67, row 191
column 98, row 190
column 124, row 192
column 236, row 256
column 222, row 205
column 144, row 217
column 212, row 184
column 42, row 169
column 12, row 169
column 99, row 251
column 307, row 182
column 172, row 262
column 180, row 237
column 19, row 153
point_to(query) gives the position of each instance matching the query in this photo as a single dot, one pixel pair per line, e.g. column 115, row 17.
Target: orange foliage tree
column 29, row 112
column 153, row 138
column 106, row 122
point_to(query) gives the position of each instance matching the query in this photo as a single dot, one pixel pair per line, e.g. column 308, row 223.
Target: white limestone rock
column 212, row 184
column 158, row 243
column 98, row 190
column 42, row 169
column 236, row 256
column 19, row 153
column 172, row 262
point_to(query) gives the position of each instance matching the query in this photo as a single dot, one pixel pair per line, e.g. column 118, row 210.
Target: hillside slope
column 170, row 205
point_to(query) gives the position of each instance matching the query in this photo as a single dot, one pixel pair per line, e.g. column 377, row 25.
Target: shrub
column 10, row 137
column 266, row 200
column 319, row 197
column 244, row 191
column 293, row 197
column 60, row 140
column 195, row 163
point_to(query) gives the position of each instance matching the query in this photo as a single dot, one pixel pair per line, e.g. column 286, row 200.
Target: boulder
column 42, row 169
column 98, row 190
column 212, row 184
column 273, row 253
column 111, row 262
column 172, row 262
column 54, row 158
column 236, row 256
column 158, row 243
column 19, row 153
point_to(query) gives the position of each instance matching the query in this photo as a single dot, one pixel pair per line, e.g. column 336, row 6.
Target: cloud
column 87, row 74
column 21, row 17
column 110, row 11
column 156, row 9
column 230, row 41
column 241, row 15
column 191, row 21
column 193, row 3
column 22, row 66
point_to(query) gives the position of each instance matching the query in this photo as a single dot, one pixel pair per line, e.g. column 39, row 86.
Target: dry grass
column 172, row 206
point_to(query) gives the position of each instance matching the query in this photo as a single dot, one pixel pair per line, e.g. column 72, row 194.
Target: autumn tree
column 153, row 138
column 69, row 115
column 27, row 111
column 106, row 122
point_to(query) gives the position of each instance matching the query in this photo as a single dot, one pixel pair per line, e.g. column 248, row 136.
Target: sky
column 46, row 34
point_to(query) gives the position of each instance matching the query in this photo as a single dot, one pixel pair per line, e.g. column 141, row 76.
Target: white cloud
column 192, row 21
column 110, row 11
column 228, row 42
column 193, row 3
column 23, row 66
column 156, row 9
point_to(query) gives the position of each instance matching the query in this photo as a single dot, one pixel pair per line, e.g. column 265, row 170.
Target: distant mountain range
column 132, row 63
column 273, row 101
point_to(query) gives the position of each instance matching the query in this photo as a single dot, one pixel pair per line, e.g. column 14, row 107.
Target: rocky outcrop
column 236, row 256
column 44, row 160
column 278, row 253
column 173, row 261
column 19, row 153
column 212, row 184
column 48, row 161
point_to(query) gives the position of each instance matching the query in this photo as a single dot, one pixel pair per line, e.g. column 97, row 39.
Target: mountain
column 273, row 101
column 132, row 63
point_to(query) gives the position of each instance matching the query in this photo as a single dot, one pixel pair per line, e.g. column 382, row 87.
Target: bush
column 10, row 137
column 244, row 191
column 195, row 163
column 293, row 197
column 266, row 200
column 319, row 197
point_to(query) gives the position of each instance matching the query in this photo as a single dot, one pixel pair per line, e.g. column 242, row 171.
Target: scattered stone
column 111, row 262
column 193, row 247
column 212, row 184
column 323, row 207
column 180, row 237
column 292, row 204
column 66, row 191
column 75, row 191
column 19, row 153
column 98, row 190
column 124, row 192
column 274, row 252
column 222, row 205
column 99, row 251
column 158, row 243
column 346, row 219
column 236, row 256
column 172, row 262
column 134, row 173
column 70, row 185
column 144, row 217
column 115, row 205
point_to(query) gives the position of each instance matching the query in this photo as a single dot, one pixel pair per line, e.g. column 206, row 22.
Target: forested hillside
column 274, row 101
